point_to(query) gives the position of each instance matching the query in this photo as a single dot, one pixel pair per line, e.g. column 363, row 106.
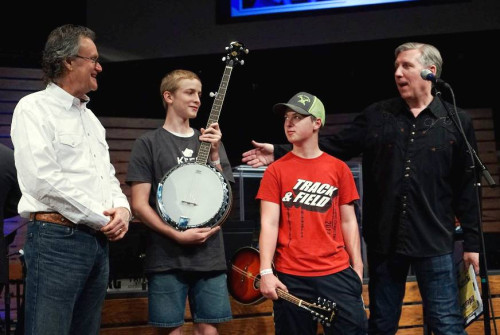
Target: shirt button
column 411, row 140
column 407, row 175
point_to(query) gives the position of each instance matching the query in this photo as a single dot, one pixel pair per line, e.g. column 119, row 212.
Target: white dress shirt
column 62, row 159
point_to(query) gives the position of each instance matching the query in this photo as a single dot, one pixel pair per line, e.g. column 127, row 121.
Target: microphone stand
column 483, row 270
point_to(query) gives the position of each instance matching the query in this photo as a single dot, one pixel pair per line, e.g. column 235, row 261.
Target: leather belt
column 57, row 218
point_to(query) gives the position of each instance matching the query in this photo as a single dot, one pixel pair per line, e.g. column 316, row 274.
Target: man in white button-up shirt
column 69, row 190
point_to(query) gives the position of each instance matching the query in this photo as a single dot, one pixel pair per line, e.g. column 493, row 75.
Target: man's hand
column 472, row 258
column 268, row 285
column 118, row 225
column 212, row 135
column 195, row 235
column 261, row 155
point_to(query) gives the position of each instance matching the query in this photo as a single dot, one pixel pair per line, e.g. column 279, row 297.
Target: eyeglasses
column 92, row 59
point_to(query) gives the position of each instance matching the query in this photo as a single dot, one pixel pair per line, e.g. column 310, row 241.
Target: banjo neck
column 204, row 150
column 236, row 50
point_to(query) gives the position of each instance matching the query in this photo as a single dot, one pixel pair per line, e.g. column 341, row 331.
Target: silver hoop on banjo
column 194, row 195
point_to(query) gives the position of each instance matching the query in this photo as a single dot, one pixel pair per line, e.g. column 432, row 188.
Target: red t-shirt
column 310, row 192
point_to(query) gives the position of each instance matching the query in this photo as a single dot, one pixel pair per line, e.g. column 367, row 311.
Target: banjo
column 196, row 194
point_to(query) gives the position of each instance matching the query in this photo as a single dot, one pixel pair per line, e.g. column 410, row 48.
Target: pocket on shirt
column 70, row 150
column 440, row 136
column 71, row 140
column 440, row 144
column 383, row 133
column 440, row 140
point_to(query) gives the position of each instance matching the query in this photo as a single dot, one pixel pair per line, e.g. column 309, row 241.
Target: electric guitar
column 244, row 286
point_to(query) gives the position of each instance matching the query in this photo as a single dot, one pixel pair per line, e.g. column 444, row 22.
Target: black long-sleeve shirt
column 417, row 177
column 9, row 198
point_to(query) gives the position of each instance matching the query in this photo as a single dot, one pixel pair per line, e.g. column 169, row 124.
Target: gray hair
column 63, row 42
column 430, row 55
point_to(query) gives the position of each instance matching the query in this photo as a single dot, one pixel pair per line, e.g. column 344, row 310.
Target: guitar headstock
column 324, row 311
column 235, row 53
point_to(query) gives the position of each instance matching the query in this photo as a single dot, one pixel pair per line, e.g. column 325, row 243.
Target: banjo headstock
column 235, row 53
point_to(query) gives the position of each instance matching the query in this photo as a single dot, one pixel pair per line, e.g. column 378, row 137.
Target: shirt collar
column 66, row 99
column 436, row 108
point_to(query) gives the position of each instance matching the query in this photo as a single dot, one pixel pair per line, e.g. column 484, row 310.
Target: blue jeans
column 67, row 274
column 437, row 282
column 207, row 293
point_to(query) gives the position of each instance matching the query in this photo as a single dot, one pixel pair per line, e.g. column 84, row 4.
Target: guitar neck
column 291, row 298
column 245, row 285
column 204, row 150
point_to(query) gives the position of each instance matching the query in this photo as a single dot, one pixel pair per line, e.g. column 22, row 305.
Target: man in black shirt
column 417, row 181
column 9, row 198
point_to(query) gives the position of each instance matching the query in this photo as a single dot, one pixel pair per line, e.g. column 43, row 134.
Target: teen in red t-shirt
column 309, row 231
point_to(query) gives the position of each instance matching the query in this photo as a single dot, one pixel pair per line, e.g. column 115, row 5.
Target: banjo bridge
column 189, row 203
